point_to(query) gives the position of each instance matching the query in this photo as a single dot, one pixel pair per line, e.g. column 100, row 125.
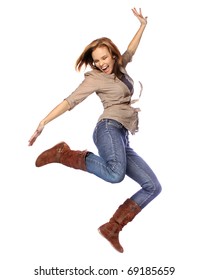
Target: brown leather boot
column 61, row 153
column 124, row 214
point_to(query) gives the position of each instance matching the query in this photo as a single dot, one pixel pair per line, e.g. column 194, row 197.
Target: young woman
column 110, row 81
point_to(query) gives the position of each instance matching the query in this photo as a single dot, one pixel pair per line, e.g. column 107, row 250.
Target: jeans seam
column 113, row 145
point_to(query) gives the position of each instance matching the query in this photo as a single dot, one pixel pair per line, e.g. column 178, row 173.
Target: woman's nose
column 101, row 63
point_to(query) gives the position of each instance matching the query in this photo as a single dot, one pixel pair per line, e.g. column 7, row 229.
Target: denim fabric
column 117, row 159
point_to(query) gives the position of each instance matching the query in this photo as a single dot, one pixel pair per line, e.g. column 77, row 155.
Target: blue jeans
column 117, row 159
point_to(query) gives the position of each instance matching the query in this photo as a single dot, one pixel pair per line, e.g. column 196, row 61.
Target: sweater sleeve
column 86, row 88
column 126, row 58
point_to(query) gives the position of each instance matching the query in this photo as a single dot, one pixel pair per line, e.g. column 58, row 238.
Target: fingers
column 139, row 15
column 33, row 138
column 31, row 141
column 36, row 134
column 136, row 13
column 134, row 10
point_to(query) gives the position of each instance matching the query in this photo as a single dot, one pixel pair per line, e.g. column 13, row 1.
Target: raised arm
column 132, row 47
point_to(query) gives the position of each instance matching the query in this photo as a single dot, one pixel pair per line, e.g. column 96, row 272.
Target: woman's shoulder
column 93, row 73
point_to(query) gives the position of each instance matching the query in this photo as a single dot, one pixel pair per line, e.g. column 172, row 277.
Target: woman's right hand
column 36, row 134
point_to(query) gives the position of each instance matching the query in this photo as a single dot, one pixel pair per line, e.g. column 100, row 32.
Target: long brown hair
column 86, row 56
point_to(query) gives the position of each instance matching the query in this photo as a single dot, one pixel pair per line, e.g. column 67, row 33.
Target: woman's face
column 103, row 59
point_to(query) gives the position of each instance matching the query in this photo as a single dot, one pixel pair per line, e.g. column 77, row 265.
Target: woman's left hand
column 139, row 15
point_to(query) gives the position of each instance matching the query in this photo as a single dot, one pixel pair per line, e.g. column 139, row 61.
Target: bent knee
column 157, row 189
column 117, row 178
column 154, row 188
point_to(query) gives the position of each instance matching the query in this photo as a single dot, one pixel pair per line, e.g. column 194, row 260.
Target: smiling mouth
column 105, row 69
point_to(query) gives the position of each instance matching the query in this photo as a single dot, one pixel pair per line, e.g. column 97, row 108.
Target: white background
column 49, row 216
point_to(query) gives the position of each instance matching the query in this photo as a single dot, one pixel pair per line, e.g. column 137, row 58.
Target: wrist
column 143, row 24
column 43, row 123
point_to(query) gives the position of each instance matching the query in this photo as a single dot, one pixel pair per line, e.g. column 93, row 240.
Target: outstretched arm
column 132, row 47
column 56, row 112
